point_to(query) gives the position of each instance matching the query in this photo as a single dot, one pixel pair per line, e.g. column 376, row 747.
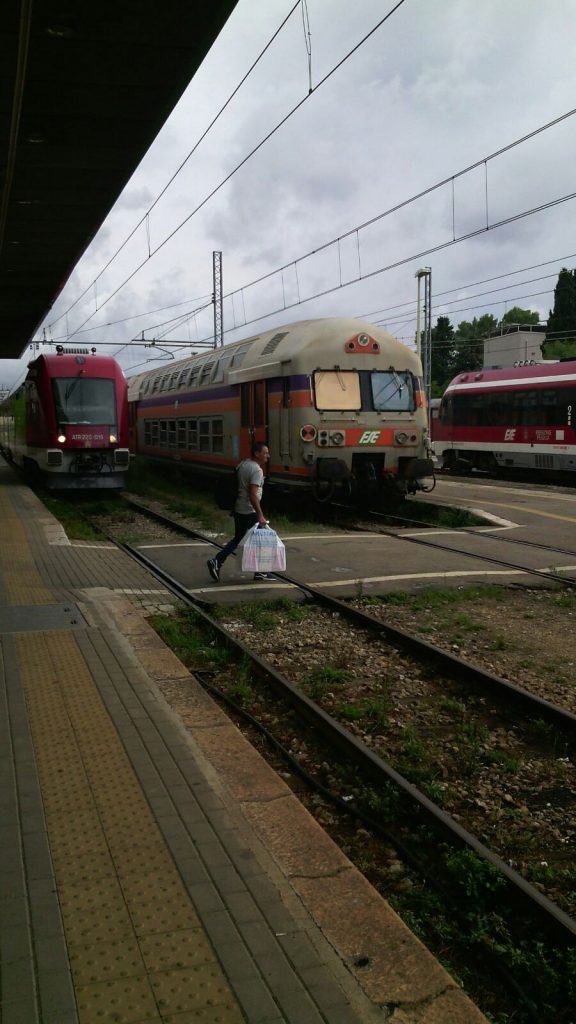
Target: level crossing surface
column 153, row 868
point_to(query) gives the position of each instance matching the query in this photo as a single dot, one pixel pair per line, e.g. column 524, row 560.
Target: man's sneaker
column 214, row 569
column 264, row 577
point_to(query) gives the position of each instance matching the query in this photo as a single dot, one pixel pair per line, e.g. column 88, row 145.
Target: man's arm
column 254, row 501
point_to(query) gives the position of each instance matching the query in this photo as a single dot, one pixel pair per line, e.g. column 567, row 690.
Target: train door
column 254, row 415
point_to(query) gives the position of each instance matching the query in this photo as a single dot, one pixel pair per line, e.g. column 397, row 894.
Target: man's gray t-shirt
column 249, row 472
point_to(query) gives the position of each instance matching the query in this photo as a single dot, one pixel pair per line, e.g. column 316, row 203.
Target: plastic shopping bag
column 263, row 551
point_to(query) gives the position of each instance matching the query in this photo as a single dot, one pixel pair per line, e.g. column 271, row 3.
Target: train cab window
column 86, row 400
column 393, row 391
column 337, row 390
column 445, row 415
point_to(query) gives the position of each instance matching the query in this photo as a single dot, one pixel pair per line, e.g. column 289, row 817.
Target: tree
column 470, row 336
column 516, row 315
column 442, row 356
column 563, row 316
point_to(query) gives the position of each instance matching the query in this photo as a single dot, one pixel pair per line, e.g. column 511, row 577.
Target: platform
column 153, row 867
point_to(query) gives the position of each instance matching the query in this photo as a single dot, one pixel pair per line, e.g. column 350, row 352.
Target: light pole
column 425, row 354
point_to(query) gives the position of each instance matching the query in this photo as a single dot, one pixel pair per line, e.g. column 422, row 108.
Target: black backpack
column 227, row 491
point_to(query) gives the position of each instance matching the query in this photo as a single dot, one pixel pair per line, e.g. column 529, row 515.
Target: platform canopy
column 85, row 86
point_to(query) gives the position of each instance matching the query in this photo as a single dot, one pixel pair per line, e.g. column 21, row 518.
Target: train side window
column 154, row 433
column 551, row 409
column 172, row 433
column 181, row 433
column 245, row 405
column 192, row 435
column 217, row 436
column 238, row 355
column 206, row 372
column 337, row 390
column 204, row 435
column 163, row 438
column 259, row 403
column 221, row 367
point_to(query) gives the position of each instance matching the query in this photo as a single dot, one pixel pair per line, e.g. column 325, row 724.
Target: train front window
column 337, row 390
column 392, row 391
column 86, row 400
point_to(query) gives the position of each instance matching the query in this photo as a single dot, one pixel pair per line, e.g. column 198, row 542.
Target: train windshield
column 84, row 400
column 392, row 391
column 337, row 390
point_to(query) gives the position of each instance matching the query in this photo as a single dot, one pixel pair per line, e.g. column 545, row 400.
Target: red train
column 522, row 417
column 67, row 424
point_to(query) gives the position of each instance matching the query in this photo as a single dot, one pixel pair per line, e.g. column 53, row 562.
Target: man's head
column 260, row 453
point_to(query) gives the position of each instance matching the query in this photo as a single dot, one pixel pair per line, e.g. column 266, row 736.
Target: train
column 339, row 402
column 66, row 425
column 518, row 418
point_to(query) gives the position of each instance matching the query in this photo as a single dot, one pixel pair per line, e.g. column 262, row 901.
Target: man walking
column 247, row 509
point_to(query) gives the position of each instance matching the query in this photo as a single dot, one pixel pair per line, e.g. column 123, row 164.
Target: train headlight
column 400, row 437
column 113, row 439
column 61, row 438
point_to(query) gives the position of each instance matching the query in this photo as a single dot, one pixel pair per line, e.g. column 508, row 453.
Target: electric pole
column 217, row 299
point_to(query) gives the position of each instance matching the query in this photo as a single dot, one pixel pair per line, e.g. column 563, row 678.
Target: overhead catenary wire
column 238, row 166
column 145, row 217
column 407, row 259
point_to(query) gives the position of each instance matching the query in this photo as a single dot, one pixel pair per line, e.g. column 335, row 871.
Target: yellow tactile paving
column 22, row 582
column 138, row 952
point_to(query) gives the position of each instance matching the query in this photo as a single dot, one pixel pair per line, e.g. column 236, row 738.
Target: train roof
column 69, row 360
column 514, row 376
column 269, row 350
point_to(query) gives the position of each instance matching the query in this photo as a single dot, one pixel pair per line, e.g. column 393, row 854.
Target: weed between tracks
column 447, row 896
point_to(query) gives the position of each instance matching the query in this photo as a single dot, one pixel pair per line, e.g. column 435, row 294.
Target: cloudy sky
column 440, row 86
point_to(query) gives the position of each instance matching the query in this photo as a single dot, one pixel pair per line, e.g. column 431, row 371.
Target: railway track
column 374, row 518
column 509, row 929
column 355, row 751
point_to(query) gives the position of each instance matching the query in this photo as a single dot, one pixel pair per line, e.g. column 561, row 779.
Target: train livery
column 522, row 417
column 339, row 403
column 66, row 425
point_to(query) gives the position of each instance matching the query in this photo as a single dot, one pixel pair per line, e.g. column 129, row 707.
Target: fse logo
column 369, row 437
column 510, row 434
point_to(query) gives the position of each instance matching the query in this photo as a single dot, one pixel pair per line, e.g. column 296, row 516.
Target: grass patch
column 373, row 714
column 197, row 646
column 434, row 598
column 320, row 680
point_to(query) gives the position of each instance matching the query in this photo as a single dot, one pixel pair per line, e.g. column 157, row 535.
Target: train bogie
column 339, row 403
column 67, row 424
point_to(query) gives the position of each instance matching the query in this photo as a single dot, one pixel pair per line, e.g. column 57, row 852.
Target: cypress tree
column 563, row 316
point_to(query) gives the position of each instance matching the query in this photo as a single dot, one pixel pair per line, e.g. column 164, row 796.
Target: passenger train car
column 67, row 424
column 522, row 417
column 339, row 403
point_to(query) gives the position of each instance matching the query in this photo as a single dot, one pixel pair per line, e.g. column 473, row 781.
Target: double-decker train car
column 66, row 425
column 339, row 403
column 522, row 417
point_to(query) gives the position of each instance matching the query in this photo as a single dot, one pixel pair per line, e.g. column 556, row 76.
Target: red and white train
column 340, row 404
column 521, row 417
column 66, row 425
